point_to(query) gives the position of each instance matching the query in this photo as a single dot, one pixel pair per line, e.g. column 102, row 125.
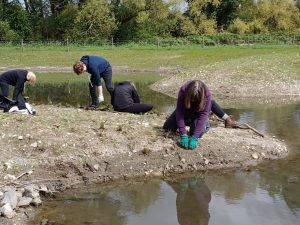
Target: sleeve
column 95, row 77
column 135, row 96
column 203, row 116
column 18, row 88
column 180, row 113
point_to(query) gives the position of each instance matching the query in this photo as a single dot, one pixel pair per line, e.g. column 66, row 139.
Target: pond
column 268, row 194
column 72, row 90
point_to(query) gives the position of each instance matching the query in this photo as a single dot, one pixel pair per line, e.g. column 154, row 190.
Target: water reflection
column 192, row 201
column 251, row 202
column 74, row 92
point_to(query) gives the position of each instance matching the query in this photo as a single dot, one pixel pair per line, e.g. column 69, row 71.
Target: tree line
column 142, row 19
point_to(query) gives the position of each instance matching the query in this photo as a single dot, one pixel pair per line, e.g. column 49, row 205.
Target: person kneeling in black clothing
column 16, row 78
column 126, row 99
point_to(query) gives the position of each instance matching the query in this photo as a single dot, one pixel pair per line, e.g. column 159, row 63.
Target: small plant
column 102, row 125
column 73, row 129
column 120, row 127
column 146, row 151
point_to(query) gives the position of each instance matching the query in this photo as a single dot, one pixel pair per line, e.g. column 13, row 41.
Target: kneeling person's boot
column 231, row 123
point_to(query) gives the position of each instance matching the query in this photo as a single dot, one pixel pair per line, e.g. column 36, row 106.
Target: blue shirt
column 96, row 66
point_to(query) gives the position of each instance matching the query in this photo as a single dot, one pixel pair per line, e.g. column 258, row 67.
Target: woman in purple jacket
column 194, row 104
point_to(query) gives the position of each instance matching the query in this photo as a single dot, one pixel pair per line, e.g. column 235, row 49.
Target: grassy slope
column 136, row 58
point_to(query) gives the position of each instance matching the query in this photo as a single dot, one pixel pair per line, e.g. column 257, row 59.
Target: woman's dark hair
column 194, row 96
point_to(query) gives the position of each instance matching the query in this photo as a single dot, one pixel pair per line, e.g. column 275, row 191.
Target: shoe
column 93, row 107
column 231, row 123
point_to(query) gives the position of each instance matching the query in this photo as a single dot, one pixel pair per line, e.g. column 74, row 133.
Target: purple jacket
column 182, row 112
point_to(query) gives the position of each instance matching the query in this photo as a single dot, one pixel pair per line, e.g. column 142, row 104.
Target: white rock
column 31, row 192
column 36, row 201
column 7, row 165
column 24, row 201
column 43, row 188
column 9, row 177
column 20, row 137
column 34, row 144
column 206, row 161
column 96, row 167
column 7, row 211
column 10, row 197
column 254, row 156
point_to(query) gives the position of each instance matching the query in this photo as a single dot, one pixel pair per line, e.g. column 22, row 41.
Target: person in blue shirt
column 98, row 68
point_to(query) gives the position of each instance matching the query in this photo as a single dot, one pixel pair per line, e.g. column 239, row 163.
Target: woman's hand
column 193, row 143
column 184, row 141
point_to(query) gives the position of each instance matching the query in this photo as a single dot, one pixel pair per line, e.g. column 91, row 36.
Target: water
column 268, row 194
column 72, row 90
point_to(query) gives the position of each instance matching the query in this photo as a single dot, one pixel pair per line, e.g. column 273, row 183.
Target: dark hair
column 195, row 95
column 78, row 67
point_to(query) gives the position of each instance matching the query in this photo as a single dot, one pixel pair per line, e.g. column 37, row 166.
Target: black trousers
column 171, row 123
column 107, row 77
column 20, row 100
column 4, row 89
column 137, row 108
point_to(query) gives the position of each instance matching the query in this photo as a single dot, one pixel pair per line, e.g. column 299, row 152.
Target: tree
column 141, row 18
column 227, row 11
column 203, row 14
column 17, row 18
column 95, row 20
column 6, row 33
column 270, row 16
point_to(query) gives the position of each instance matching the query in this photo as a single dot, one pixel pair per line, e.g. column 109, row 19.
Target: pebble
column 7, row 165
column 36, row 201
column 9, row 177
column 96, row 167
column 254, row 156
column 34, row 144
column 206, row 161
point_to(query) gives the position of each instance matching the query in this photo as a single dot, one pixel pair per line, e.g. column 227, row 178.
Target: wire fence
column 201, row 41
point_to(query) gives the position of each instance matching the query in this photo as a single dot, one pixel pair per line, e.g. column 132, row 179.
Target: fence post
column 68, row 45
column 22, row 46
column 112, row 42
column 202, row 41
column 157, row 43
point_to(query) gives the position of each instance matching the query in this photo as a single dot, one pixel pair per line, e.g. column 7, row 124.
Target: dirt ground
column 66, row 147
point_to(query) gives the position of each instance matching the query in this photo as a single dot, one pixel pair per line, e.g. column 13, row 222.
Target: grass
column 183, row 57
